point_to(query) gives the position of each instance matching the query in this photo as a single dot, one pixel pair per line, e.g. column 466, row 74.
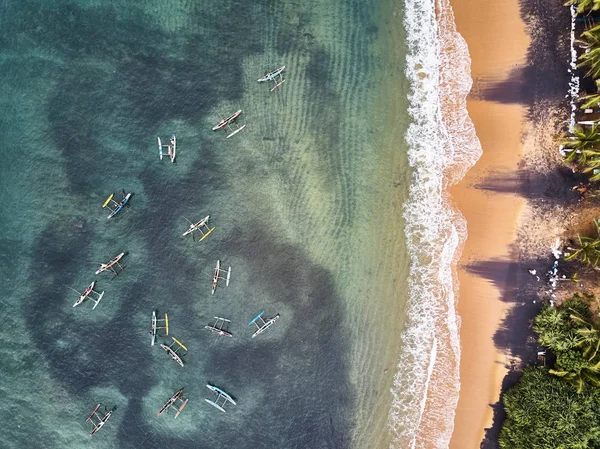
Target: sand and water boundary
column 498, row 46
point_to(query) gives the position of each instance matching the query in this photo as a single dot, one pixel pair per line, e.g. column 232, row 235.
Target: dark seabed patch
column 92, row 86
column 292, row 379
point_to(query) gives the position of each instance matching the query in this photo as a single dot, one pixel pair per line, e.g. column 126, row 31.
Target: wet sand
column 497, row 45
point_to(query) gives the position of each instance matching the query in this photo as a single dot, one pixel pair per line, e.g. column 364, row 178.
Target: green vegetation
column 592, row 100
column 587, row 250
column 582, row 145
column 559, row 407
column 545, row 413
column 584, row 5
column 590, row 40
column 572, row 335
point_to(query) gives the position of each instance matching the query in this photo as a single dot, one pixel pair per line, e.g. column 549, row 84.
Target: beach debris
column 561, row 150
column 581, row 188
column 552, row 275
column 556, row 252
column 541, row 356
column 574, row 81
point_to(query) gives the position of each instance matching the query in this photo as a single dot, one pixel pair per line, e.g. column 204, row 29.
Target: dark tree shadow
column 515, row 336
column 490, row 440
column 551, row 188
column 544, row 75
column 542, row 81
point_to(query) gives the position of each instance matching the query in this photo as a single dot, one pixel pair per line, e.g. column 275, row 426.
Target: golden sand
column 497, row 44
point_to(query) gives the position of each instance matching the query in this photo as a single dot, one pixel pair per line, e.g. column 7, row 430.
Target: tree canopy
column 572, row 334
column 543, row 412
column 559, row 408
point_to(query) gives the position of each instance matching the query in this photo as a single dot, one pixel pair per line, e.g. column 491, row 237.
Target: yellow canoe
column 179, row 343
column 206, row 235
column 108, row 200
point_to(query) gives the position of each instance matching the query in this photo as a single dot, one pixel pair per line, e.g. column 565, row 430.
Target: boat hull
column 271, row 75
column 173, row 148
column 120, row 206
column 227, row 121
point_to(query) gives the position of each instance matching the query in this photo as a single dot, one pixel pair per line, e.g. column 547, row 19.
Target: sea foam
column 442, row 147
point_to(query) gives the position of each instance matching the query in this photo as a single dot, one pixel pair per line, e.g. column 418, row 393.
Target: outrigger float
column 88, row 294
column 170, row 403
column 219, row 327
column 272, row 76
column 101, row 419
column 227, row 122
column 171, row 148
column 115, row 207
column 173, row 353
column 155, row 328
column 218, row 276
column 264, row 324
column 201, row 226
column 220, row 395
column 111, row 266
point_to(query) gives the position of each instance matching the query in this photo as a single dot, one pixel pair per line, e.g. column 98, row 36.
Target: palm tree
column 588, row 251
column 590, row 166
column 579, row 377
column 559, row 340
column 590, row 101
column 550, row 318
column 584, row 5
column 589, row 340
column 591, row 59
column 581, row 146
column 590, row 38
column 588, row 335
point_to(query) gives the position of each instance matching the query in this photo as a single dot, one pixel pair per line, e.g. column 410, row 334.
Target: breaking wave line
column 442, row 147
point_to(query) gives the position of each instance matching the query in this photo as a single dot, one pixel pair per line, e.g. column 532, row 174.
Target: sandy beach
column 498, row 45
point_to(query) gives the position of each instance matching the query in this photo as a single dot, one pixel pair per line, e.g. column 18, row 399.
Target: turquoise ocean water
column 85, row 88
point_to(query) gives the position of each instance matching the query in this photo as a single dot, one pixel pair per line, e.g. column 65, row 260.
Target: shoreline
column 498, row 47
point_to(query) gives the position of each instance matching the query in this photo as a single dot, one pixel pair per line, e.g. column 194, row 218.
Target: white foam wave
column 442, row 147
